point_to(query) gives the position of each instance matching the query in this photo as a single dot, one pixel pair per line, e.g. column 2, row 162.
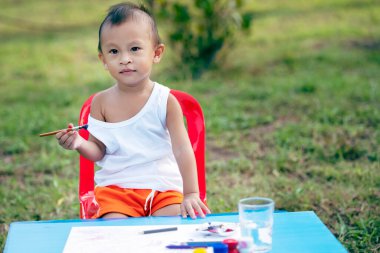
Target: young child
column 137, row 133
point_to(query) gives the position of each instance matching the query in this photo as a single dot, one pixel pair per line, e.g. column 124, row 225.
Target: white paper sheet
column 122, row 239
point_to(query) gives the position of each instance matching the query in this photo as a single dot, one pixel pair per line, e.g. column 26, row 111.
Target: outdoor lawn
column 293, row 113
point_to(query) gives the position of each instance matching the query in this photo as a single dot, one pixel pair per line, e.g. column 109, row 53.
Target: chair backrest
column 193, row 114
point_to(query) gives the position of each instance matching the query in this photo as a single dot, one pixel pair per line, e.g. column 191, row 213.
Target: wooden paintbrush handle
column 55, row 132
column 67, row 130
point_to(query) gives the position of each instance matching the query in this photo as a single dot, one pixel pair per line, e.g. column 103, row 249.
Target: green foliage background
column 198, row 30
column 293, row 113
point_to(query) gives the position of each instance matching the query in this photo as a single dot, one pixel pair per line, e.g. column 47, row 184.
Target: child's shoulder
column 103, row 95
column 99, row 103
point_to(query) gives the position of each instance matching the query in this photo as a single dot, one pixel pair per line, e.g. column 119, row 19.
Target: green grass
column 293, row 113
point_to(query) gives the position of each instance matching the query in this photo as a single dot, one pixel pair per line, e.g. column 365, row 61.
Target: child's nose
column 125, row 58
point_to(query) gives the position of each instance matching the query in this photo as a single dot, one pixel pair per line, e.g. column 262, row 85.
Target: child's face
column 128, row 51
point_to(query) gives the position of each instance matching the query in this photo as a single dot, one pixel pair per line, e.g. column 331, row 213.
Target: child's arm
column 92, row 149
column 184, row 155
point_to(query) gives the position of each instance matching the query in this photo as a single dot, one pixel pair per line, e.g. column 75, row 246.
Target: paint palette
column 218, row 229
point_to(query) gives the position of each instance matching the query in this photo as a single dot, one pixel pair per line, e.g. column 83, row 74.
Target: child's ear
column 158, row 52
column 100, row 55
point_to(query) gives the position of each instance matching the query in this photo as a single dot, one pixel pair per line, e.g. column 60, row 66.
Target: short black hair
column 119, row 13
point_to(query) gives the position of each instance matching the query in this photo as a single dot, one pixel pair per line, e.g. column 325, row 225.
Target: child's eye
column 135, row 49
column 113, row 51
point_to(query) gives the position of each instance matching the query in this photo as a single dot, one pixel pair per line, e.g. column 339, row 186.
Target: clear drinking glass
column 256, row 222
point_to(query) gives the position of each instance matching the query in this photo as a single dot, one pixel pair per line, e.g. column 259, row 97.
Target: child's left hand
column 191, row 204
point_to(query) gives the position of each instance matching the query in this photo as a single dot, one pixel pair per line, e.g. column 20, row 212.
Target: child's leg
column 167, row 204
column 116, row 202
column 171, row 210
column 114, row 215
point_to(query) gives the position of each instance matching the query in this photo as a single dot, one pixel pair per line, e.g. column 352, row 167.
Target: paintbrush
column 67, row 130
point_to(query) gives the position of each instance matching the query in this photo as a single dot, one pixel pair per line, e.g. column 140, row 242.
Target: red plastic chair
column 192, row 111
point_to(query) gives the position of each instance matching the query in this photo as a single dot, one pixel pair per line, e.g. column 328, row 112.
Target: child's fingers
column 204, row 207
column 187, row 210
column 59, row 135
column 69, row 141
column 183, row 211
column 198, row 209
column 184, row 214
column 190, row 210
column 74, row 140
column 64, row 138
column 192, row 207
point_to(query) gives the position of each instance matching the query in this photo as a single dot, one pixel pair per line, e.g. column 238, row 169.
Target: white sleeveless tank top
column 138, row 150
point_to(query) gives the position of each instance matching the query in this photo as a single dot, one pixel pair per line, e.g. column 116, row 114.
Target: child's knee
column 170, row 210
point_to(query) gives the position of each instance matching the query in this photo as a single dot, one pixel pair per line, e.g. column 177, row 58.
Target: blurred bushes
column 199, row 29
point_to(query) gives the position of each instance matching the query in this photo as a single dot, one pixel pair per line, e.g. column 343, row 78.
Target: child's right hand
column 69, row 140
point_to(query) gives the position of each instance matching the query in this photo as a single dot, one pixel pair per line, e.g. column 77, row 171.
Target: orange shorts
column 133, row 202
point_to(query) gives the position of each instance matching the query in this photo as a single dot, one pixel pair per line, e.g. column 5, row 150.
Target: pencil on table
column 67, row 130
column 160, row 230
